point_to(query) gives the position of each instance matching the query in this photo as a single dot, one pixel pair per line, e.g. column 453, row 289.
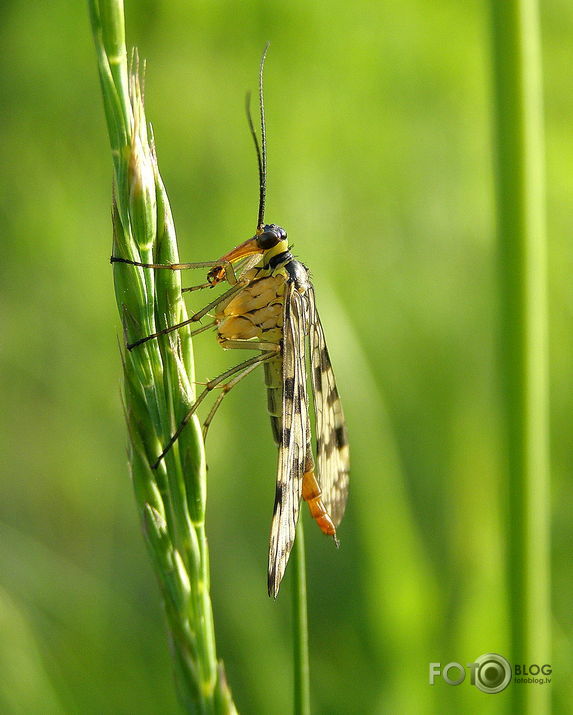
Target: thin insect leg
column 227, row 267
column 193, row 319
column 210, row 386
column 190, row 289
column 248, row 345
column 203, row 328
column 226, row 388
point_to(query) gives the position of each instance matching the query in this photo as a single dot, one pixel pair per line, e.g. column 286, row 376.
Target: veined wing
column 294, row 439
column 245, row 265
column 331, row 438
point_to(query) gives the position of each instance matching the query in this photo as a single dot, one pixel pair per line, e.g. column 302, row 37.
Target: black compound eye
column 268, row 239
column 271, row 236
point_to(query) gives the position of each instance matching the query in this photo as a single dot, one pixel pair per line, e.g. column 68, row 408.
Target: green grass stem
column 300, row 626
column 158, row 376
column 521, row 225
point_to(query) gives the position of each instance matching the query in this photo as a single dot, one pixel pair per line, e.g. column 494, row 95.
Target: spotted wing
column 294, row 438
column 331, row 438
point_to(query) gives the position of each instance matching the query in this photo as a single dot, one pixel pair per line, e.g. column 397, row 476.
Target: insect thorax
column 256, row 313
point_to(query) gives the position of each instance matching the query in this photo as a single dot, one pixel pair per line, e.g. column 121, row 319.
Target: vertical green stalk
column 521, row 226
column 300, row 626
column 158, row 387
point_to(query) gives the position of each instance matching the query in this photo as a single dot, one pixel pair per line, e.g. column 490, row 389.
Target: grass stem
column 300, row 626
column 158, row 376
column 521, row 228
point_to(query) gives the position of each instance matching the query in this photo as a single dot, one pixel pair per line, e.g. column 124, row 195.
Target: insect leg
column 208, row 387
column 225, row 389
column 201, row 286
column 203, row 328
column 225, row 265
column 193, row 319
column 248, row 345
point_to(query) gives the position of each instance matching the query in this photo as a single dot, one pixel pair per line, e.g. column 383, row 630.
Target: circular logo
column 492, row 673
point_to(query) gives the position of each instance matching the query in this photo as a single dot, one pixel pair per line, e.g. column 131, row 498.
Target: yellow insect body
column 256, row 312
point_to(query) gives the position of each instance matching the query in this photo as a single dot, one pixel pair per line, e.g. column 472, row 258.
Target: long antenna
column 262, row 149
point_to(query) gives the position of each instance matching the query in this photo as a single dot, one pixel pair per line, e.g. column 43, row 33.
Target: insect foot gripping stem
column 313, row 497
column 216, row 275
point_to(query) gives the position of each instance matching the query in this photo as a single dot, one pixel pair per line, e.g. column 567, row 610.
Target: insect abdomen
column 273, row 382
column 312, row 495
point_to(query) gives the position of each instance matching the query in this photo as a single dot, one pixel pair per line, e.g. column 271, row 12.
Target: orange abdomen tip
column 313, row 497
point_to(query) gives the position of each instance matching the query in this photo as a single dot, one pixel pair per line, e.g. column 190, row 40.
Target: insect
column 270, row 307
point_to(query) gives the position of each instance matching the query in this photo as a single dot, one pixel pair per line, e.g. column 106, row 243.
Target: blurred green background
column 380, row 168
